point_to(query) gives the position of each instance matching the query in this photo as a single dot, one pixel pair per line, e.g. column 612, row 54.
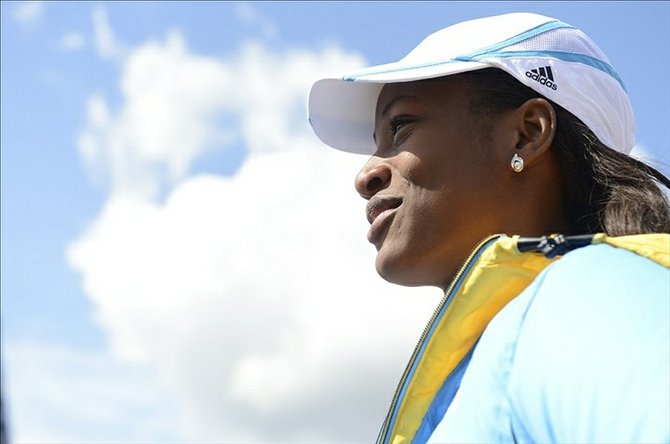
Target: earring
column 517, row 163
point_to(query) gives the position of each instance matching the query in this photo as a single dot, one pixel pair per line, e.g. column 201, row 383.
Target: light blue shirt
column 581, row 356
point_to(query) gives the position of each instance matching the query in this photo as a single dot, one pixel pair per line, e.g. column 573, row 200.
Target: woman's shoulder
column 602, row 274
column 581, row 355
column 593, row 333
column 594, row 285
column 596, row 305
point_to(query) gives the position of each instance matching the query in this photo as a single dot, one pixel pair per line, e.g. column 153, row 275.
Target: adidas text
column 543, row 76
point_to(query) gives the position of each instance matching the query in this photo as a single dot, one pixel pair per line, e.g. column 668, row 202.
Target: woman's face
column 438, row 183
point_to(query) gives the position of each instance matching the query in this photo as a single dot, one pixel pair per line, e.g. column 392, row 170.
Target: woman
column 514, row 124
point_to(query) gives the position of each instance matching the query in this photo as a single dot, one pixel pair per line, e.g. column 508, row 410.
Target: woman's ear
column 535, row 122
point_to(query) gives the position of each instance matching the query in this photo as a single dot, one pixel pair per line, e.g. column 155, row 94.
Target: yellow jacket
column 498, row 270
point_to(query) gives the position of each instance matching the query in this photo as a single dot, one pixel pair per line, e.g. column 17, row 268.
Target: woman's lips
column 380, row 211
column 378, row 224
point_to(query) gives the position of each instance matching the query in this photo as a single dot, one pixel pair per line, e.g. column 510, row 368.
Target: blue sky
column 146, row 144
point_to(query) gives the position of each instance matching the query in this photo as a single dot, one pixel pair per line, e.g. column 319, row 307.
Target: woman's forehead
column 430, row 91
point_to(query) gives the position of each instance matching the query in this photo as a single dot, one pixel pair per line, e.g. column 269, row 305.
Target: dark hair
column 603, row 190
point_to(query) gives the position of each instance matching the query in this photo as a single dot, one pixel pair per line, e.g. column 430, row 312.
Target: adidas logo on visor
column 543, row 76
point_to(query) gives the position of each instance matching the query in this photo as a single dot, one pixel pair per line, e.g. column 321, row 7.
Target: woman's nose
column 372, row 178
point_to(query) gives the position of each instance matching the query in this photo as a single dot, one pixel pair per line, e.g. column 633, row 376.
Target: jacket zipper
column 381, row 438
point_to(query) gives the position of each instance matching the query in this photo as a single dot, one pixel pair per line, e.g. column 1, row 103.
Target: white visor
column 553, row 58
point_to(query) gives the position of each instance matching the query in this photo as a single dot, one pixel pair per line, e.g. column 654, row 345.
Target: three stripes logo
column 543, row 76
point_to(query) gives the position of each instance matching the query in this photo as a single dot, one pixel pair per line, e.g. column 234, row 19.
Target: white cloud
column 28, row 12
column 251, row 16
column 106, row 43
column 72, row 41
column 661, row 163
column 63, row 394
column 178, row 105
column 168, row 118
column 256, row 297
column 253, row 296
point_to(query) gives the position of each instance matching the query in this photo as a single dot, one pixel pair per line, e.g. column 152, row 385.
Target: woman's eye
column 397, row 124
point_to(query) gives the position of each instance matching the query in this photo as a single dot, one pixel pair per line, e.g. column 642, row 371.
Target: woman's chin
column 394, row 267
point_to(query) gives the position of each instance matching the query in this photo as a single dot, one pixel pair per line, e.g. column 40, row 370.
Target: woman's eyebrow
column 395, row 100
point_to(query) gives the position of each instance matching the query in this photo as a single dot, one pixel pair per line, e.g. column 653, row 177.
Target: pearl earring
column 517, row 163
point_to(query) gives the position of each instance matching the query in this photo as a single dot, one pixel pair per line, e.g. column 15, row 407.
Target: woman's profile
column 499, row 171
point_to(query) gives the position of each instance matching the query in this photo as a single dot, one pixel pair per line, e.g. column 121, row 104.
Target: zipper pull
column 554, row 244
